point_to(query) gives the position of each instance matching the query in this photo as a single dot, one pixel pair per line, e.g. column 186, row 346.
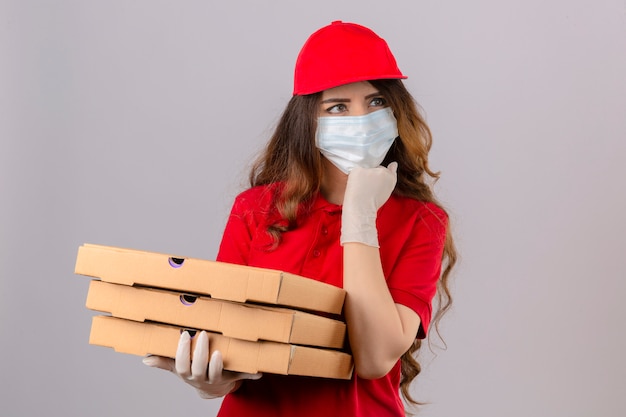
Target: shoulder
column 257, row 192
column 422, row 210
column 256, row 197
column 409, row 214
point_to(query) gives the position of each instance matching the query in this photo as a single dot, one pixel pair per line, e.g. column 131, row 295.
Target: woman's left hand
column 208, row 377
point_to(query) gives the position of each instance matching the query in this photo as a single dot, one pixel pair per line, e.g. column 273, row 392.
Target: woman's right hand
column 208, row 377
column 367, row 190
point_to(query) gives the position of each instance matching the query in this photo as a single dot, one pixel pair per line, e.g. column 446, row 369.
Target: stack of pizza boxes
column 261, row 320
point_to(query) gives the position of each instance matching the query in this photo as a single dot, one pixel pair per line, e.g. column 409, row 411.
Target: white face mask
column 349, row 141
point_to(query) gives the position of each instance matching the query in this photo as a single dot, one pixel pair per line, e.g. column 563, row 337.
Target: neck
column 334, row 182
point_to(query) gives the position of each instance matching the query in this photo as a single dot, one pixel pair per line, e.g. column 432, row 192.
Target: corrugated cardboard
column 239, row 355
column 241, row 321
column 217, row 279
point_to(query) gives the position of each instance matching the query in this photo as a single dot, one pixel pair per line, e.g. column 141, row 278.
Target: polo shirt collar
column 320, row 203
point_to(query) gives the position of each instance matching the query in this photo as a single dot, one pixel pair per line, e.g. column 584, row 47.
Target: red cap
column 342, row 53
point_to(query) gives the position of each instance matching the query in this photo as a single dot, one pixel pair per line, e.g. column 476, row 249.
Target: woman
column 341, row 195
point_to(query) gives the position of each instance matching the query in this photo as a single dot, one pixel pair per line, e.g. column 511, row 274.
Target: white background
column 133, row 123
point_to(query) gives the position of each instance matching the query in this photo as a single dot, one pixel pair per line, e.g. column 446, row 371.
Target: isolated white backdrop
column 133, row 123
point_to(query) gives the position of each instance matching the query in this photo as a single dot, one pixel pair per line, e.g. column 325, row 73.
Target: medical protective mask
column 349, row 141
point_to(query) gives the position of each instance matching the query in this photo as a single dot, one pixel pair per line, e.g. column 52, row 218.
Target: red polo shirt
column 411, row 236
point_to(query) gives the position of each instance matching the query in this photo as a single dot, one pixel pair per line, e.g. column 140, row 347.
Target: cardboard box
column 236, row 320
column 217, row 279
column 138, row 338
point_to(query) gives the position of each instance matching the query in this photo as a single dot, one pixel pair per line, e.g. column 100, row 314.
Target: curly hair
column 291, row 158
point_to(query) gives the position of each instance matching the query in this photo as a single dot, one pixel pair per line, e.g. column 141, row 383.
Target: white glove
column 211, row 383
column 367, row 190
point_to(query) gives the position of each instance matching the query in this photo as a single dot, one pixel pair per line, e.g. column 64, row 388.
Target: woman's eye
column 337, row 108
column 378, row 102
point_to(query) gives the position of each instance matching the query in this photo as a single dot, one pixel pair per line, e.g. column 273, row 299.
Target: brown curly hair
column 292, row 159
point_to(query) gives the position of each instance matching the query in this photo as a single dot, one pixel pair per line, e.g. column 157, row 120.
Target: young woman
column 341, row 194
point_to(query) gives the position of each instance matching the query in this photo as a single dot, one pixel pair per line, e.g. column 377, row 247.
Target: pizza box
column 203, row 277
column 231, row 319
column 146, row 338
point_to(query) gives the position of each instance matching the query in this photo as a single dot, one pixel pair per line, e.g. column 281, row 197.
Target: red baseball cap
column 342, row 53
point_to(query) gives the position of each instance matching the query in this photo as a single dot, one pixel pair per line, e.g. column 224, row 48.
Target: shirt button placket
column 323, row 233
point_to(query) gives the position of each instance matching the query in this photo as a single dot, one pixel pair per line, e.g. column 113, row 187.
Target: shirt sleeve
column 235, row 244
column 413, row 279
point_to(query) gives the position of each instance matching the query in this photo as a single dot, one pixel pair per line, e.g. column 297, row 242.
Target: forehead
column 358, row 89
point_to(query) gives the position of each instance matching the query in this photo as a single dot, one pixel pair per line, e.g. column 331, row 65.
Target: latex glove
column 210, row 383
column 367, row 190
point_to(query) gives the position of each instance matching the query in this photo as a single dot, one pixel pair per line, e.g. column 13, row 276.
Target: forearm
column 379, row 332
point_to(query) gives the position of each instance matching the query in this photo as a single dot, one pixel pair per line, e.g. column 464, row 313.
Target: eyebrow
column 347, row 100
